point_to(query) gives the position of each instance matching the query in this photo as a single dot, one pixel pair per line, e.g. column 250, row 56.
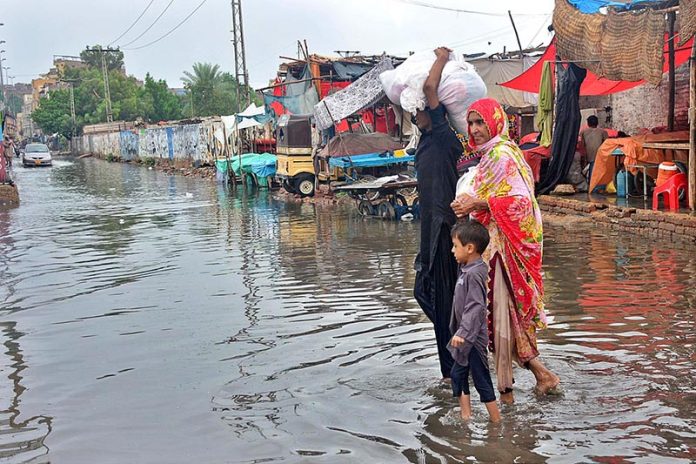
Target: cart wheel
column 365, row 208
column 400, row 200
column 304, row 185
column 287, row 185
column 386, row 211
column 370, row 195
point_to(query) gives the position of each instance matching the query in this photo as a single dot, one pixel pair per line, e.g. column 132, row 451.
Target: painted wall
column 194, row 143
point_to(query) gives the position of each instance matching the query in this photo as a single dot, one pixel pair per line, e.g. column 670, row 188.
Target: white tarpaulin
column 495, row 72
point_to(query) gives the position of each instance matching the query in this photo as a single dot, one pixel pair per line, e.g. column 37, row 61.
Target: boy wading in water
column 468, row 324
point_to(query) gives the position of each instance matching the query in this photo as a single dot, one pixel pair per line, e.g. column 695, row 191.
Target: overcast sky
column 35, row 30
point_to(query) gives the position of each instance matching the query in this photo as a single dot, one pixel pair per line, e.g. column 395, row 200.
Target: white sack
column 460, row 86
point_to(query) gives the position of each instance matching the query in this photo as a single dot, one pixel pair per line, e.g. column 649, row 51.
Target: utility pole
column 105, row 72
column 240, row 68
column 2, row 80
column 107, row 90
column 72, row 109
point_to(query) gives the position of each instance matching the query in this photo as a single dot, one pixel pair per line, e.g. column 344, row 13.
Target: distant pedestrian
column 591, row 139
column 468, row 324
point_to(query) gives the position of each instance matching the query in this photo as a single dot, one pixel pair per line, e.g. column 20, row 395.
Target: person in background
column 436, row 164
column 591, row 139
column 503, row 201
column 468, row 325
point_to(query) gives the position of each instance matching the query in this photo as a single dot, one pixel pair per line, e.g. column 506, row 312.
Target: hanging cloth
column 544, row 116
column 567, row 126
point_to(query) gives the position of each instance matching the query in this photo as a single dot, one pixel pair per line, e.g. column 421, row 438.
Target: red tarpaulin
column 529, row 80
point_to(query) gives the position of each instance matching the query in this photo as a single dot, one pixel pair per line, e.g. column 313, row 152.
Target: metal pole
column 72, row 109
column 107, row 91
column 692, row 128
column 241, row 73
column 671, row 18
column 2, row 79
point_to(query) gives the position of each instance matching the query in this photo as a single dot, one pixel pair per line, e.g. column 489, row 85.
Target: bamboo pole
column 692, row 128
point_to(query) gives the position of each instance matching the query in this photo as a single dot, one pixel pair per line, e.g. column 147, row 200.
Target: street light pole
column 2, row 79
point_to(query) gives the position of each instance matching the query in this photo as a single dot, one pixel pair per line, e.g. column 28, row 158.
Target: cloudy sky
column 36, row 30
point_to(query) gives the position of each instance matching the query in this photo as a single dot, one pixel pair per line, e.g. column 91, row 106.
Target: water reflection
column 264, row 331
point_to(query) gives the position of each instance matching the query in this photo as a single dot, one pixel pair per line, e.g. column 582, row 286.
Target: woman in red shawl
column 504, row 202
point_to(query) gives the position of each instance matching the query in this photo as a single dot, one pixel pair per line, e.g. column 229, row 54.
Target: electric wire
column 171, row 30
column 458, row 10
column 134, row 23
column 150, row 26
column 543, row 23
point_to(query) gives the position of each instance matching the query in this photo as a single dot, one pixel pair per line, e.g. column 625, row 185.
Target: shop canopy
column 529, row 80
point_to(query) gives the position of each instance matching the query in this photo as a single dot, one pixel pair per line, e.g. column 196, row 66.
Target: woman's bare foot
column 547, row 383
column 546, row 380
column 507, row 398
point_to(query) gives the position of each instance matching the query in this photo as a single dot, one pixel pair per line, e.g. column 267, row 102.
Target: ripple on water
column 265, row 331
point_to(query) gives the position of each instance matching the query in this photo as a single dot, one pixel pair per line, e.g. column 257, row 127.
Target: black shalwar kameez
column 436, row 268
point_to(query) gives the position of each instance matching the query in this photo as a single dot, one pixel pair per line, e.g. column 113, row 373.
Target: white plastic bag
column 460, row 86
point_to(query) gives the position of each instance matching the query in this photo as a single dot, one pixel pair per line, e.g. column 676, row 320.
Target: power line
column 171, row 30
column 134, row 23
column 150, row 26
column 458, row 10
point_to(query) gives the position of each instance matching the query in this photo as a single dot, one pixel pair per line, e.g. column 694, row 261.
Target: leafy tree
column 53, row 113
column 91, row 56
column 14, row 102
column 165, row 105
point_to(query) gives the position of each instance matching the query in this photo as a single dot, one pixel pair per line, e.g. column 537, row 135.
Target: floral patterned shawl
column 504, row 180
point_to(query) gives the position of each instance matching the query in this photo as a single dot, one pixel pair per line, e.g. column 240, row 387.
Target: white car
column 37, row 154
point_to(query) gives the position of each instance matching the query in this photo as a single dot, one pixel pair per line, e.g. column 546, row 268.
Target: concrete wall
column 192, row 143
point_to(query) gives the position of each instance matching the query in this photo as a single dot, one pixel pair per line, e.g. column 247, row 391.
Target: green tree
column 204, row 85
column 13, row 101
column 53, row 113
column 212, row 92
column 92, row 56
column 165, row 105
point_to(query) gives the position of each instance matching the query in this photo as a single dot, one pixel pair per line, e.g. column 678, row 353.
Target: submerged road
column 147, row 319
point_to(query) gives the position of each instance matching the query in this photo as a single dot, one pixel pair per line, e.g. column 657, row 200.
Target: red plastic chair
column 670, row 190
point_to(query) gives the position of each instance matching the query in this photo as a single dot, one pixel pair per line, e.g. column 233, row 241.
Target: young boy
column 468, row 323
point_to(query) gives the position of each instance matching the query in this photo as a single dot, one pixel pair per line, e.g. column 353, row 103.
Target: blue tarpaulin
column 368, row 160
column 261, row 165
column 593, row 6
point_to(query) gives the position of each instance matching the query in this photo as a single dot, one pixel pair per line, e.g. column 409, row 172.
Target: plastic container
column 666, row 170
column 621, row 184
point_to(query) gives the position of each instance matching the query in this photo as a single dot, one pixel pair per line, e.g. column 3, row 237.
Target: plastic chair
column 671, row 191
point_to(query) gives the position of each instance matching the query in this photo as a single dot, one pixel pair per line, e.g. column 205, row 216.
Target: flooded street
column 148, row 319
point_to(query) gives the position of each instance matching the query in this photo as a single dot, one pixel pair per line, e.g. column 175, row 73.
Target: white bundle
column 460, row 86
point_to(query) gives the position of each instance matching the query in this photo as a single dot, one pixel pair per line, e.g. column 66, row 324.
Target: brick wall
column 674, row 227
column 645, row 106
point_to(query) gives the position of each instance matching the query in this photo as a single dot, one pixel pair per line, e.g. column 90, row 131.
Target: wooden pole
column 671, row 18
column 519, row 44
column 692, row 128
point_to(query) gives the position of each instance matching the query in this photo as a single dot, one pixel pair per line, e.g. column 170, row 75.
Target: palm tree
column 205, row 75
column 203, row 83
